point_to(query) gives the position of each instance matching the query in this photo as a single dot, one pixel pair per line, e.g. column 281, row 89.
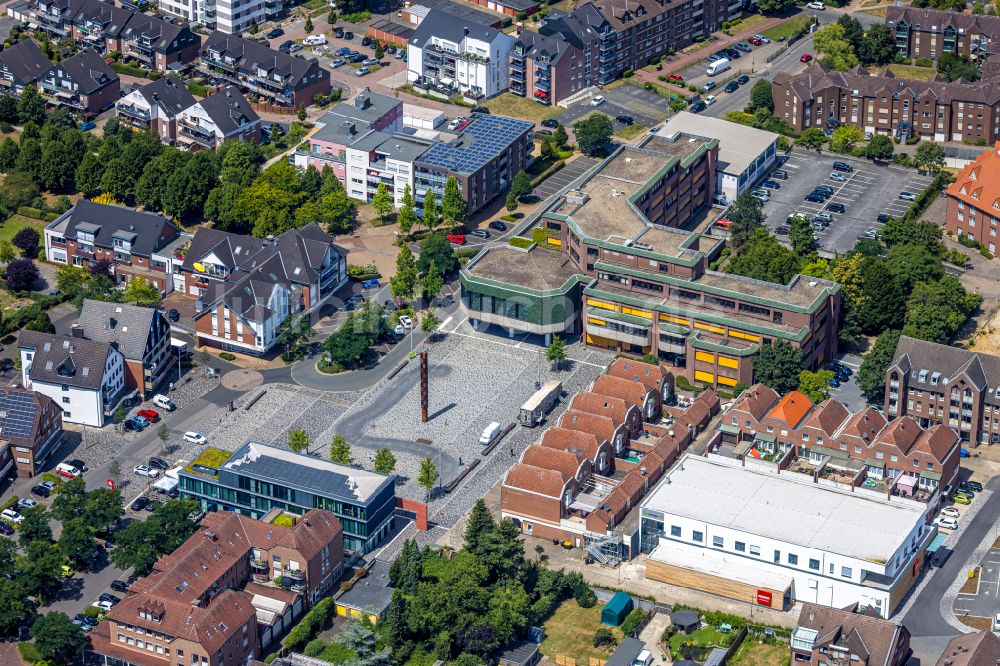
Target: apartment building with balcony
column 612, row 262
column 930, row 33
column 860, row 451
column 155, row 106
column 82, row 83
column 98, row 25
column 941, row 384
column 932, row 110
column 55, row 17
column 263, row 73
column 246, row 288
column 546, row 69
column 157, row 44
column 848, row 635
column 215, row 600
column 454, row 54
column 141, row 334
column 85, row 378
column 484, row 156
column 231, row 17
column 225, row 115
column 21, row 64
column 139, row 244
column 31, row 423
column 749, row 534
column 257, row 479
column 974, row 200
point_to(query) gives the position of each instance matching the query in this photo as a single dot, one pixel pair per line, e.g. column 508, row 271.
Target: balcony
column 196, row 134
column 470, row 57
column 294, row 574
column 133, row 116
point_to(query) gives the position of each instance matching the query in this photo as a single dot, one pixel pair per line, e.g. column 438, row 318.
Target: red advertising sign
column 763, row 598
column 111, row 484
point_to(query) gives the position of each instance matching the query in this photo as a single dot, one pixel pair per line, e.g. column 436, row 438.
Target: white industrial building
column 746, row 154
column 770, row 538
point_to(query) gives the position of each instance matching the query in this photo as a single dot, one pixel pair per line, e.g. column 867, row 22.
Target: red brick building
column 974, row 200
column 31, row 424
column 833, row 636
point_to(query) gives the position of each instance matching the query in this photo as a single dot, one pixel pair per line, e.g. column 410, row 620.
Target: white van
column 645, row 658
column 718, row 67
column 314, row 40
column 67, row 470
column 492, row 432
column 163, row 401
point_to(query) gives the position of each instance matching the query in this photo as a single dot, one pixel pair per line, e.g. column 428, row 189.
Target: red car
column 457, row 239
column 755, row 41
column 805, row 57
column 675, row 77
column 150, row 415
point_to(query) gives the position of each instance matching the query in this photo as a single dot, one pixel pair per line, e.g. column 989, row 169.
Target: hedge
column 548, row 172
column 9, row 503
column 310, row 624
column 930, row 193
column 540, row 235
column 683, row 384
column 132, row 70
column 199, row 90
column 633, row 620
column 36, row 214
column 29, row 653
column 524, row 243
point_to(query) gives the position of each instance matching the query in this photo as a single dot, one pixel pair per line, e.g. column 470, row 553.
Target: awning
column 933, row 476
column 877, row 464
column 825, row 451
column 447, row 81
column 765, row 437
column 165, row 485
column 730, row 429
column 907, row 480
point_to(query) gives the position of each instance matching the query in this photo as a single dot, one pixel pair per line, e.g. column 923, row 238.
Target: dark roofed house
column 850, row 634
column 248, row 288
column 53, row 16
column 84, row 377
column 140, row 244
column 156, row 106
column 223, row 116
column 279, row 77
column 22, row 64
column 30, row 430
column 917, row 31
column 158, row 44
column 141, row 334
column 544, row 67
column 368, row 597
column 83, row 83
column 981, row 648
column 99, row 25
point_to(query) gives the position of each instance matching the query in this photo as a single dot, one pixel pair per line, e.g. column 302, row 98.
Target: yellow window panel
column 726, row 381
column 636, row 313
column 675, row 320
column 599, row 341
column 598, row 322
column 743, row 336
column 727, row 362
column 554, row 241
column 713, row 329
column 704, row 356
column 602, row 305
column 704, row 376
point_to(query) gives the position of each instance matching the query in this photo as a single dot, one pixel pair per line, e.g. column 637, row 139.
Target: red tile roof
column 651, row 376
column 566, row 462
column 978, row 183
column 864, row 424
column 576, row 441
column 828, row 416
column 906, row 435
column 616, row 408
column 757, row 400
column 546, row 482
column 602, row 427
column 791, row 409
column 631, row 392
column 978, row 649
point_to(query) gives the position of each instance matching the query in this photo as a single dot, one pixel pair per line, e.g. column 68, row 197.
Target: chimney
column 112, row 323
column 76, row 331
column 466, row 29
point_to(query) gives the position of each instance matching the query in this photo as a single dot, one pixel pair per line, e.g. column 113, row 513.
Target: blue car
column 87, row 126
column 834, row 382
column 371, row 284
column 343, row 51
column 771, row 185
column 137, row 423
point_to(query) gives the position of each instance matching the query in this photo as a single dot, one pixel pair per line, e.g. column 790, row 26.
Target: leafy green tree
column 480, row 523
column 953, row 67
column 883, row 296
column 8, row 109
column 811, row 137
column 240, row 162
column 778, row 365
column 345, row 346
column 382, row 201
column 765, row 259
column 407, row 215
column 117, row 179
column 29, row 158
column 436, row 248
column 14, row 610
column 404, row 283
column 340, row 450
column 911, row 264
column 31, row 106
column 835, row 49
column 845, row 138
column 430, row 323
column 295, row 333
column 746, row 216
column 879, row 148
column 77, row 542
column 57, row 638
column 71, row 501
column 853, row 31
column 252, row 26
column 929, row 157
column 816, row 385
column 57, row 165
column 802, row 237
column 502, row 551
column 89, row 174
column 521, row 185
column 510, row 202
column 309, row 25
column 432, row 215
column 140, row 292
column 556, row 351
column 142, row 542
column 35, row 526
column 103, row 508
column 761, row 97
column 19, row 189
column 871, row 374
column 453, row 206
column 428, row 475
column 298, row 440
column 385, row 461
column 8, row 149
column 593, row 133
column 772, row 7
column 878, row 46
column 431, row 282
column 936, row 310
column 903, row 230
column 559, row 136
column 7, row 252
column 39, row 569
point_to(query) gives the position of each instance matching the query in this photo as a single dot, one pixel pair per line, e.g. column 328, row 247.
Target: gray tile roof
column 579, row 28
column 25, row 61
column 366, row 108
column 249, row 56
column 170, row 93
column 233, row 250
column 445, row 25
column 165, row 37
column 89, row 71
column 916, row 355
column 149, row 227
column 372, row 594
column 128, row 326
column 61, row 359
column 537, row 45
column 229, row 110
column 111, row 18
column 927, row 18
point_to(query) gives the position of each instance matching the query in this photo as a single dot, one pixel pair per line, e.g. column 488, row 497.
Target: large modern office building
column 611, row 259
column 258, row 478
column 771, row 539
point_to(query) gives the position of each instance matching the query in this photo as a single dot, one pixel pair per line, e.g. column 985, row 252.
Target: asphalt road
column 987, row 602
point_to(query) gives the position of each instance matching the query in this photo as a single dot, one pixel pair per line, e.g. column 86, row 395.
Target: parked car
column 676, row 78
column 709, row 100
column 550, row 122
column 67, row 470
column 961, row 499
column 275, row 33
column 780, row 174
column 348, row 35
column 805, row 57
column 946, row 522
column 164, row 402
column 868, row 234
column 731, row 87
column 763, row 198
column 733, row 54
column 370, row 61
column 814, row 197
column 158, row 463
column 26, row 503
column 343, row 51
column 755, row 41
column 825, row 189
column 743, row 46
column 835, row 207
column 136, row 423
column 406, row 322
column 105, row 606
column 743, row 79
column 314, row 40
column 457, row 239
column 951, row 512
column 544, row 132
column 145, row 470
column 771, row 184
column 371, row 283
column 782, row 230
column 173, row 315
column 119, row 586
column 907, row 196
column 6, row 529
column 597, row 101
column 838, row 177
column 43, row 489
column 140, row 503
column 973, row 485
column 195, row 438
column 698, row 106
column 355, row 58
column 815, row 4
column 498, row 225
column 150, row 415
column 337, row 62
column 11, row 516
column 479, row 233
column 361, row 71
column 286, row 45
column 710, row 85
column 87, row 126
column 338, row 32
column 843, row 166
column 625, row 120
column 79, row 464
column 480, row 109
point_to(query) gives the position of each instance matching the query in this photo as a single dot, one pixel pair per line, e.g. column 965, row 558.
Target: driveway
column 615, row 106
column 848, row 392
column 985, row 602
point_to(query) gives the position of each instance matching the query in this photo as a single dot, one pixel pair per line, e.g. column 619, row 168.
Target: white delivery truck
column 538, row 405
column 718, row 67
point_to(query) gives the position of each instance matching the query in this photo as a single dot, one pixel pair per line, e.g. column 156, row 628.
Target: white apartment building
column 451, row 51
column 230, row 16
column 768, row 538
column 217, row 118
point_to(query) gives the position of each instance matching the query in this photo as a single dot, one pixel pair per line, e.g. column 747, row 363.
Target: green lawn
column 913, row 72
column 15, row 223
column 698, row 643
column 570, row 632
column 752, row 653
column 630, row 132
column 786, row 29
column 520, row 107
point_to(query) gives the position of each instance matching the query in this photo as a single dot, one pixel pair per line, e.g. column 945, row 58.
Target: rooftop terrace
column 539, row 269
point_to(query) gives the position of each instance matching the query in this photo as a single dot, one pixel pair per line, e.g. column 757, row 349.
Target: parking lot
column 986, row 601
column 848, row 392
column 865, row 193
column 646, row 108
column 564, row 176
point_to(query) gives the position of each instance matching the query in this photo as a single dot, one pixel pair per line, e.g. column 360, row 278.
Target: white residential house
column 217, row 118
column 86, row 378
column 451, row 51
column 155, row 106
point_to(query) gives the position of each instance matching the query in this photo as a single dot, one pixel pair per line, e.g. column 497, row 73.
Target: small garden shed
column 617, row 609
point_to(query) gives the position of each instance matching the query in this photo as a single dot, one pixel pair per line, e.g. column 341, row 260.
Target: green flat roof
column 927, row 474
